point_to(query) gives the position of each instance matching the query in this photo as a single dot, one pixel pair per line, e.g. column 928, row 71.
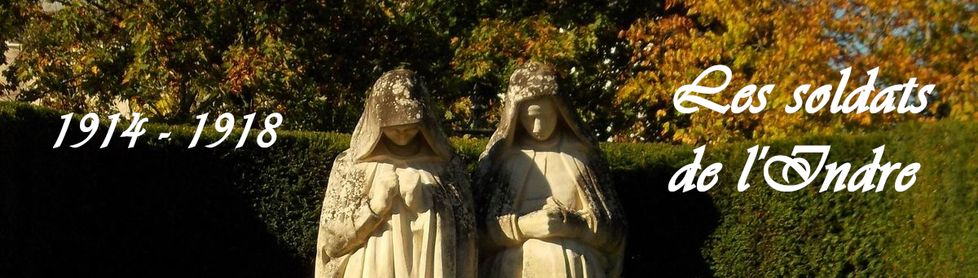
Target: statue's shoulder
column 345, row 169
column 577, row 147
column 341, row 157
column 510, row 154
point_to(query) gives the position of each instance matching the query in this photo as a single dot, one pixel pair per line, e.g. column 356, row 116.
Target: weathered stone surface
column 397, row 203
column 545, row 197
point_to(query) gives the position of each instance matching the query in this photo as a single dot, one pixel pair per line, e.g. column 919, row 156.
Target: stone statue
column 398, row 202
column 546, row 205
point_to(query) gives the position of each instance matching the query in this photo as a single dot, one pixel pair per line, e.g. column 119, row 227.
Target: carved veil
column 396, row 98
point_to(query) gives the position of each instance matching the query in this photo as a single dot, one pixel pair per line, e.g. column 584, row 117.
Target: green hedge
column 163, row 209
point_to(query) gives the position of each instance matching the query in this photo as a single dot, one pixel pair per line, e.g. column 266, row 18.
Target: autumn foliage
column 621, row 61
column 794, row 43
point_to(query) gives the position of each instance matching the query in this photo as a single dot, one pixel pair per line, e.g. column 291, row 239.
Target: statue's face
column 539, row 118
column 401, row 135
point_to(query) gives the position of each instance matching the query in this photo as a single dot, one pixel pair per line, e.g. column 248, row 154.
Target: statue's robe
column 429, row 230
column 411, row 241
column 559, row 166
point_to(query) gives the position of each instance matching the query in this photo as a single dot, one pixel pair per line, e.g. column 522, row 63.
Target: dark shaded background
column 161, row 209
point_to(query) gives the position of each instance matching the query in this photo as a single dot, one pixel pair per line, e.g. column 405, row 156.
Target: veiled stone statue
column 398, row 202
column 546, row 206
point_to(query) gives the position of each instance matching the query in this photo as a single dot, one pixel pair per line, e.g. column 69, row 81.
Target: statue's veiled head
column 533, row 107
column 532, row 92
column 397, row 112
